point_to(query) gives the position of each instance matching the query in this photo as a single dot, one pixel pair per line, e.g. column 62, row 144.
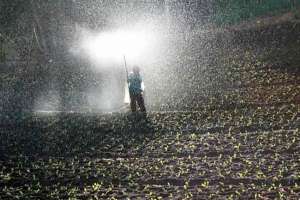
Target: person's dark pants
column 137, row 99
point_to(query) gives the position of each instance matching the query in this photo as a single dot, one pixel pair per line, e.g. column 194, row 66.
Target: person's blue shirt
column 135, row 83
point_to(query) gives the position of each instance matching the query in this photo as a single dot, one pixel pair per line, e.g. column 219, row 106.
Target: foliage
column 234, row 11
column 235, row 152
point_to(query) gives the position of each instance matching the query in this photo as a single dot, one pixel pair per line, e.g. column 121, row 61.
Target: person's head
column 136, row 69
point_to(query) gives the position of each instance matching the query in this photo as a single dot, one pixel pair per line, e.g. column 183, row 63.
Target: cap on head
column 136, row 69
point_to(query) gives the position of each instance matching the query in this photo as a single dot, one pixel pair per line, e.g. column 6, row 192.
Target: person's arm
column 142, row 83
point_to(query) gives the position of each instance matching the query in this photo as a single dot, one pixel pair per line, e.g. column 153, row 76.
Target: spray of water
column 105, row 50
column 156, row 43
column 48, row 102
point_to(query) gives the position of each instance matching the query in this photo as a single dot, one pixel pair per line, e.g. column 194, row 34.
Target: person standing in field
column 135, row 90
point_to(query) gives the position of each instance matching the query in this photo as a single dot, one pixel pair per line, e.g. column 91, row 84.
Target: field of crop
column 214, row 154
column 237, row 138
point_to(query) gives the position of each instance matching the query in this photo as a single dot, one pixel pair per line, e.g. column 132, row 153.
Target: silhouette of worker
column 135, row 90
